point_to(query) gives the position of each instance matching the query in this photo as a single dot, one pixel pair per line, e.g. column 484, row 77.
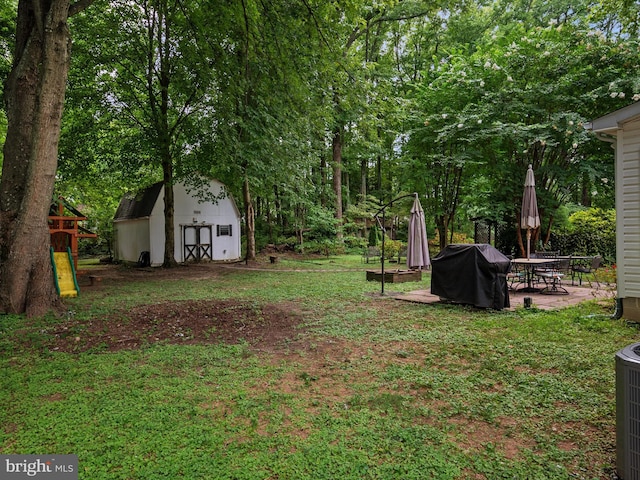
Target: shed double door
column 197, row 242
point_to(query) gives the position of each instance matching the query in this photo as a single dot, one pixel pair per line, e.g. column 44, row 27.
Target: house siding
column 628, row 210
column 622, row 128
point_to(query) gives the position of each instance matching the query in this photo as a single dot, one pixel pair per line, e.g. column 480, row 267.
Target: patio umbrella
column 529, row 217
column 417, row 246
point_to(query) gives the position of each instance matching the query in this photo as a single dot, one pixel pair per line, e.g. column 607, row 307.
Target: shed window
column 223, row 230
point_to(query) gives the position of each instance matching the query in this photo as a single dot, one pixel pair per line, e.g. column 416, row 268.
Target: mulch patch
column 262, row 327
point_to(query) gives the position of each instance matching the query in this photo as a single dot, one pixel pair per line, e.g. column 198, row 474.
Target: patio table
column 529, row 264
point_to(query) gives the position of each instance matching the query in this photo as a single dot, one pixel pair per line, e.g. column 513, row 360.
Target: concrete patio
column 577, row 294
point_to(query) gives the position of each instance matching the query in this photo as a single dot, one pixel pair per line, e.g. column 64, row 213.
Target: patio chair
column 545, row 268
column 591, row 268
column 516, row 276
column 552, row 277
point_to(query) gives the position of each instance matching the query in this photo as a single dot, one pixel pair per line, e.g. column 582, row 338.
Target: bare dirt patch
column 263, row 327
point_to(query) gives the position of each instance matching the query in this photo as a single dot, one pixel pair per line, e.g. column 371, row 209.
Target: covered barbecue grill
column 473, row 274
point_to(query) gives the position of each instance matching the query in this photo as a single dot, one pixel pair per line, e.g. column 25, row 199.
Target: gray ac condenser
column 628, row 412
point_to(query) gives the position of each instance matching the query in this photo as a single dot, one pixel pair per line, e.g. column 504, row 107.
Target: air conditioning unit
column 628, row 412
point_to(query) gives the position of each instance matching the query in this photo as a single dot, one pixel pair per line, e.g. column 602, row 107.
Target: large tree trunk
column 250, row 220
column 34, row 96
column 169, row 259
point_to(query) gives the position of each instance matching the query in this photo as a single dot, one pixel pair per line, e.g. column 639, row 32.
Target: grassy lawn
column 364, row 386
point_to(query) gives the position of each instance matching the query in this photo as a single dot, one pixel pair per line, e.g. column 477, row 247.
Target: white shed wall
column 131, row 238
column 156, row 232
column 189, row 209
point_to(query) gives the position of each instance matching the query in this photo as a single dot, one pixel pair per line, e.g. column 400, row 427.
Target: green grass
column 374, row 388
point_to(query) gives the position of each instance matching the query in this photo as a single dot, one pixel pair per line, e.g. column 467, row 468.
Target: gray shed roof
column 138, row 205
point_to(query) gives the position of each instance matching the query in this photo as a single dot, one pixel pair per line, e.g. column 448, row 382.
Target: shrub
column 608, row 274
column 591, row 232
column 355, row 244
column 391, row 248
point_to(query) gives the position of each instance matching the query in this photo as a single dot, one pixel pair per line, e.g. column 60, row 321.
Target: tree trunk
column 34, row 95
column 585, row 197
column 337, row 174
column 520, row 241
column 364, row 173
column 323, row 181
column 442, row 224
column 169, row 235
column 250, row 219
column 379, row 175
column 163, row 131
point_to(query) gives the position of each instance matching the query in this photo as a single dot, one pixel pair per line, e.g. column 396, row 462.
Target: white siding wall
column 131, row 238
column 628, row 209
column 156, row 232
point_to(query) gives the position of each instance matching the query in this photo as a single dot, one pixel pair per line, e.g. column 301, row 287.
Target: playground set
column 65, row 230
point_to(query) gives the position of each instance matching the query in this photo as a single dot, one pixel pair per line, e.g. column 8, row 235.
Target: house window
column 223, row 230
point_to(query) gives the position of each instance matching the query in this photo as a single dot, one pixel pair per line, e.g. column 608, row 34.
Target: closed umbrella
column 529, row 218
column 417, row 246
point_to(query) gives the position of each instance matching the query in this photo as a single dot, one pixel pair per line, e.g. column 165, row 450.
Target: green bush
column 593, row 219
column 355, row 244
column 591, row 232
column 391, row 248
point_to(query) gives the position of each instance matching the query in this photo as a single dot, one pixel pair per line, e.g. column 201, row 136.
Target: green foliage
column 392, row 248
column 321, row 223
column 518, row 95
column 450, row 103
column 594, row 219
column 8, row 12
column 591, row 232
column 375, row 236
column 354, row 244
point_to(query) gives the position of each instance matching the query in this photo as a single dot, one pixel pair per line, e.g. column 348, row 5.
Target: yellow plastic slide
column 64, row 274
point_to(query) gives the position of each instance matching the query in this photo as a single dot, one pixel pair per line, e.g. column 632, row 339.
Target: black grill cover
column 474, row 274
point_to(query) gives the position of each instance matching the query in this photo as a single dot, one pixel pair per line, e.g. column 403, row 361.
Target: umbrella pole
column 528, row 243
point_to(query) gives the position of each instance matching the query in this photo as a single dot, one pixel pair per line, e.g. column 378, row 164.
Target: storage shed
column 206, row 224
column 622, row 129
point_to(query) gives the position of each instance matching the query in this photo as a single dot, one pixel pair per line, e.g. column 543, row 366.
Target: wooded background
column 314, row 113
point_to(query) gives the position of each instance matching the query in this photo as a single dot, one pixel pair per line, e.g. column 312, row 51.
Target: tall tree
column 154, row 67
column 364, row 122
column 265, row 135
column 34, row 96
column 522, row 97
